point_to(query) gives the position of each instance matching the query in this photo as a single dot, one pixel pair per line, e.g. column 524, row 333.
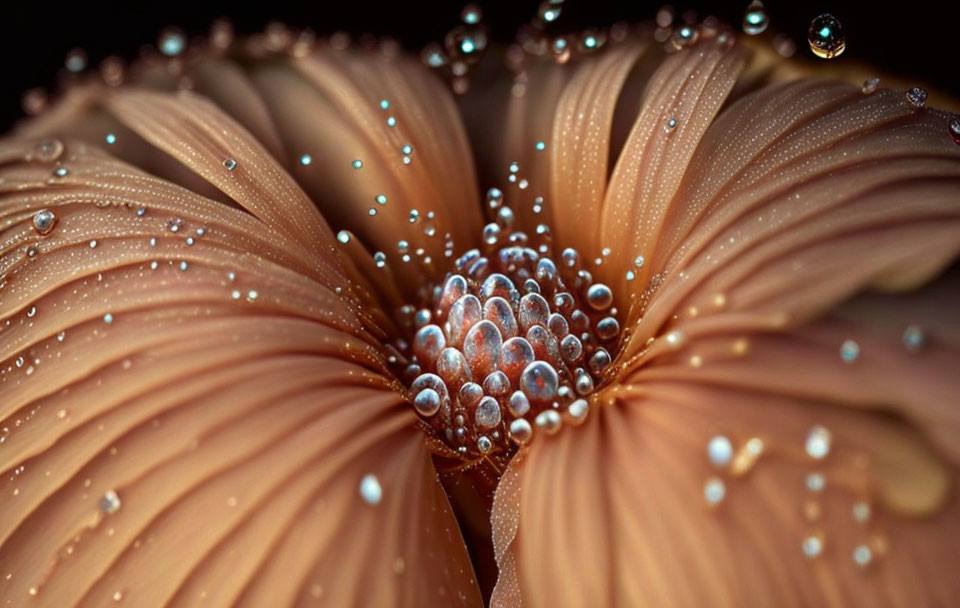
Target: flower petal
column 187, row 387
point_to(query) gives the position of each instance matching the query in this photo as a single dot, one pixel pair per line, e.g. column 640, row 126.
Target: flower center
column 512, row 344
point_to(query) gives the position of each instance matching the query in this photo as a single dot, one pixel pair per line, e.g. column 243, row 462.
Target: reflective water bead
column 407, row 149
column 454, row 368
column 818, row 442
column 61, row 171
column 755, row 20
column 849, row 351
column 861, row 511
column 487, row 415
column 869, row 86
column 481, row 346
column 671, row 124
column 305, row 160
column 230, row 164
column 599, row 360
column 675, row 338
column 427, row 402
column 380, row 259
column 518, row 404
column 578, row 410
column 357, row 163
column 583, row 383
column 720, row 451
column 541, row 145
column 484, row 444
column 471, row 14
column 826, row 37
column 548, row 420
column 384, row 104
column 599, row 296
column 391, row 121
column 44, row 221
column 111, row 138
column 714, row 490
column 549, row 11
column 520, row 431
column 76, row 60
column 608, row 328
column 496, row 384
column 571, row 348
column 110, row 502
column 539, row 382
column 638, row 261
column 916, row 97
column 427, row 344
column 343, row 236
column 913, row 338
column 108, row 318
column 370, row 490
column 953, row 127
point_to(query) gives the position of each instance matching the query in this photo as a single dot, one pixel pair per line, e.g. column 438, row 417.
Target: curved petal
column 188, row 387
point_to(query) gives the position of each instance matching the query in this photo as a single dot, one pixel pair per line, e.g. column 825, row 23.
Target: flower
column 218, row 378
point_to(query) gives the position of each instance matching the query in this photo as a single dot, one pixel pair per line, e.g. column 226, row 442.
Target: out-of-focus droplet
column 549, row 11
column 684, row 36
column 849, row 351
column 110, row 503
column 230, row 164
column 171, row 42
column 826, row 37
column 76, row 60
column 466, row 43
column 916, row 97
column 869, row 85
column 755, row 20
column 370, row 489
column 433, row 56
column 471, row 14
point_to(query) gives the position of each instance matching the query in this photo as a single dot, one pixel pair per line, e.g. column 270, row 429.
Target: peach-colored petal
column 188, row 387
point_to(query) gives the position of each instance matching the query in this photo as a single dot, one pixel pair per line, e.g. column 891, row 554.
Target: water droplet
column 391, row 121
column 869, row 86
column 541, row 145
column 755, row 20
column 427, row 402
column 599, row 296
column 849, row 351
column 108, row 318
column 812, row 546
column 862, row 556
column 76, row 60
column 111, row 138
column 714, row 490
column 954, row 128
column 671, row 125
column 357, row 163
column 818, row 442
column 549, row 421
column 520, row 431
column 815, row 482
column 230, row 164
column 306, row 159
column 488, row 413
column 93, row 243
column 171, row 42
column 343, row 236
column 61, row 171
column 913, row 338
column 44, row 221
column 539, row 382
column 370, row 489
column 381, row 199
column 549, row 11
column 471, row 14
column 639, row 261
column 916, row 97
column 110, row 503
column 826, row 37
column 861, row 511
column 720, row 451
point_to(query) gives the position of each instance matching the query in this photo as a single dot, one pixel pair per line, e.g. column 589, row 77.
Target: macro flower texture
column 639, row 316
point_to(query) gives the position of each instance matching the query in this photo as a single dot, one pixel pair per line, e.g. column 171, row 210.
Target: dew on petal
column 826, row 37
column 818, row 442
column 370, row 490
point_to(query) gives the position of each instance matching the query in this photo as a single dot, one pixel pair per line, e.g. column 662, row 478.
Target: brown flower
column 223, row 309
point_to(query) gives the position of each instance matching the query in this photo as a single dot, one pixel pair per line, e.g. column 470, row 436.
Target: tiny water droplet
column 61, row 171
column 343, row 236
column 549, row 11
column 305, row 160
column 76, row 60
column 110, row 503
column 111, row 138
column 230, row 164
column 826, row 37
column 44, row 221
column 370, row 489
column 357, row 163
column 171, row 42
column 954, row 128
column 869, row 85
column 471, row 14
column 916, row 97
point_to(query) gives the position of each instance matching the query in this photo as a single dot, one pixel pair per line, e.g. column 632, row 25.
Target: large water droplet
column 826, row 37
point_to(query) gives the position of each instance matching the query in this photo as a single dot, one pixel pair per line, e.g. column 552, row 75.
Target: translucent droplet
column 61, row 171
column 755, row 20
column 381, row 199
column 815, row 482
column 484, row 444
column 862, row 556
column 541, row 145
column 818, row 442
column 720, row 451
column 861, row 511
column 549, row 11
column 343, row 236
column 849, row 351
column 230, row 164
column 812, row 546
column 488, row 413
column 110, row 502
column 913, row 338
column 427, row 402
column 826, row 37
column 599, row 296
column 306, row 159
column 44, row 221
column 370, row 489
column 714, row 490
column 869, row 86
column 108, row 318
column 539, row 382
column 521, row 431
column 471, row 14
column 953, row 127
column 549, row 421
column 171, row 42
column 76, row 60
column 357, row 163
column 916, row 97
column 110, row 138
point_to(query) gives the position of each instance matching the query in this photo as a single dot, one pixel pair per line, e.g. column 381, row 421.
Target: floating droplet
column 755, row 20
column 849, row 351
column 720, row 451
column 488, row 413
column 108, row 318
column 916, row 97
column 826, row 37
column 171, row 42
column 471, row 14
column 599, row 296
column 954, row 128
column 370, row 489
column 539, row 382
column 44, row 221
column 818, row 442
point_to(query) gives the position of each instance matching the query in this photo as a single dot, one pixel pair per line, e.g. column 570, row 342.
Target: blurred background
column 919, row 39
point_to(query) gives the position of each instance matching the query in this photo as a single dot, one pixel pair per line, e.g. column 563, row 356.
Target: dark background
column 919, row 39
